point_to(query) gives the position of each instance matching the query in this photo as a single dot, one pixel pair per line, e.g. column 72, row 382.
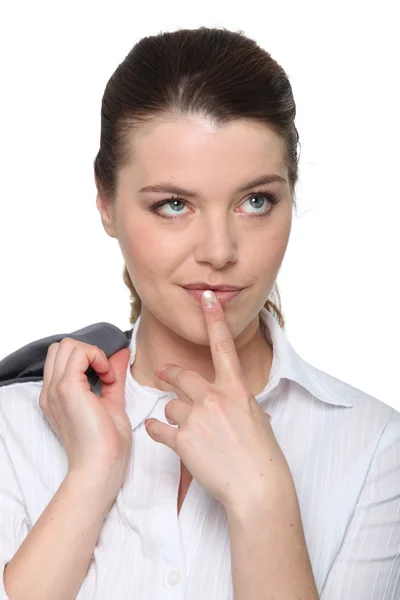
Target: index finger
column 226, row 361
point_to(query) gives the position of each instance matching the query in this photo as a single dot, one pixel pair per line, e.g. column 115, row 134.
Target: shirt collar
column 286, row 364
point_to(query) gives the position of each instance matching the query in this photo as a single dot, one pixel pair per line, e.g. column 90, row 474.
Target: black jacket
column 27, row 363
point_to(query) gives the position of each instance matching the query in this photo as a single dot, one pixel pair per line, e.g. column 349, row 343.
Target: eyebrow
column 173, row 189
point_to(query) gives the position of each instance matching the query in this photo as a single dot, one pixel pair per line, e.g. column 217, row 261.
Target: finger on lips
column 222, row 346
column 223, row 351
column 226, row 366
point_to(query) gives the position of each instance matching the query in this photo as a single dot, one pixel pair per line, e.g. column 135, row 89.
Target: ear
column 107, row 217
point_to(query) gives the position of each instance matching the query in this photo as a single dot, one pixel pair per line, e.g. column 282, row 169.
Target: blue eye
column 271, row 200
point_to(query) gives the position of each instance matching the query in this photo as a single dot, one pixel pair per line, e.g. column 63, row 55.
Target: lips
column 204, row 286
column 224, row 296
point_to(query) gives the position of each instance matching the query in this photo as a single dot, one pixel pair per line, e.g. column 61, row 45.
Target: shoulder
column 341, row 391
column 363, row 413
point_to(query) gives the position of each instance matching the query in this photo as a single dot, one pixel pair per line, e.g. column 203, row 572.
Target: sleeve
column 367, row 566
column 14, row 520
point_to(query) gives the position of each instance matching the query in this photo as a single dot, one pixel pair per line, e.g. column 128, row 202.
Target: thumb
column 119, row 364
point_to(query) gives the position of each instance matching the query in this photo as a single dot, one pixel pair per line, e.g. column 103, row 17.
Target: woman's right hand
column 95, row 431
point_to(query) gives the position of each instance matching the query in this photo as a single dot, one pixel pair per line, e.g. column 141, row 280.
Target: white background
column 339, row 281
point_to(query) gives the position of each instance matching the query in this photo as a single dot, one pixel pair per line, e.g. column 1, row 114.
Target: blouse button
column 173, row 577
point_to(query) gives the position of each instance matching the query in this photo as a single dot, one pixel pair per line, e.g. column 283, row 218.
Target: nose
column 218, row 242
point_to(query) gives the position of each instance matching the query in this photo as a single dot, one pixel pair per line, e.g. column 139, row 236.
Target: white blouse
column 342, row 446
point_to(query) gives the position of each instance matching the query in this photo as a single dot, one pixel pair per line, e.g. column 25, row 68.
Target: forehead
column 195, row 151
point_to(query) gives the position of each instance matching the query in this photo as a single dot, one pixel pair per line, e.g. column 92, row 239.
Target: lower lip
column 223, row 297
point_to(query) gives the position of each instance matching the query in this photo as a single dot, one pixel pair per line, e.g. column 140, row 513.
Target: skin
column 214, row 237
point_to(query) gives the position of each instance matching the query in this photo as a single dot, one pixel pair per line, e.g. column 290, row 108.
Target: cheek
column 278, row 237
column 278, row 244
column 264, row 254
column 148, row 254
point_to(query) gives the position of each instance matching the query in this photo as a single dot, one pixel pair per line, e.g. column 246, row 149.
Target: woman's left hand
column 224, row 438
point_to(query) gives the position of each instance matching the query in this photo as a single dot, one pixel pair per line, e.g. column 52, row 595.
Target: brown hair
column 213, row 72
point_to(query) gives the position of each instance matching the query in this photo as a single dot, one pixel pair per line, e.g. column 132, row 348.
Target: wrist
column 275, row 497
column 97, row 490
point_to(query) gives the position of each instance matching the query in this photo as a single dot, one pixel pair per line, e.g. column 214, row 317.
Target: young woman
column 257, row 475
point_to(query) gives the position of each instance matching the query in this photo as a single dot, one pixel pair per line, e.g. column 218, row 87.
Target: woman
column 257, row 475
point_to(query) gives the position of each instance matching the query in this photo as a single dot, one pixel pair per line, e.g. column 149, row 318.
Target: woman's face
column 217, row 234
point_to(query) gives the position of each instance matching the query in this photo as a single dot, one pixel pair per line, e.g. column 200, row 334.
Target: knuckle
column 194, row 375
column 53, row 347
column 62, row 387
column 91, row 347
column 225, row 346
column 66, row 341
column 171, row 404
column 43, row 400
column 71, row 343
column 180, row 377
column 100, row 352
column 169, row 410
column 212, row 397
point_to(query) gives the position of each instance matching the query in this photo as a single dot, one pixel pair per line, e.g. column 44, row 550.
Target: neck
column 156, row 343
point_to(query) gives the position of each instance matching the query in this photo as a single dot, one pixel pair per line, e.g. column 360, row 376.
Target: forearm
column 269, row 556
column 53, row 560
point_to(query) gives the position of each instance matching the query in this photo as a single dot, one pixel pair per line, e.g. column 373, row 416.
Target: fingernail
column 209, row 298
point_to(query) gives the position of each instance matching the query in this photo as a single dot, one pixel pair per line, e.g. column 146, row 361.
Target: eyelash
column 272, row 198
